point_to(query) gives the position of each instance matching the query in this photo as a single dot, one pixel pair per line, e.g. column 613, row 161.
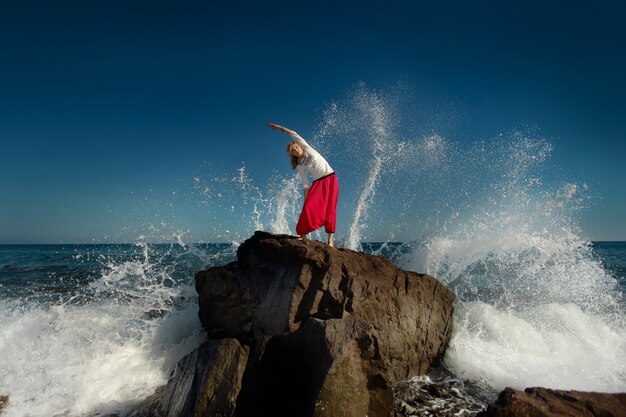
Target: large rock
column 280, row 282
column 328, row 331
column 326, row 368
column 543, row 402
column 331, row 330
column 205, row 383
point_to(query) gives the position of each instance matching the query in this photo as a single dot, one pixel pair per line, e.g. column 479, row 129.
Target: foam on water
column 552, row 345
column 533, row 309
column 103, row 350
column 76, row 359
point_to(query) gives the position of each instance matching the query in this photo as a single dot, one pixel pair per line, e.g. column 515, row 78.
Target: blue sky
column 109, row 110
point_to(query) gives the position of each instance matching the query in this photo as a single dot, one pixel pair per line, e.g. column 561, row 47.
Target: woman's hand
column 274, row 126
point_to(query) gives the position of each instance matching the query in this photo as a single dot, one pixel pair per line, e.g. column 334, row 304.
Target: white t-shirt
column 313, row 162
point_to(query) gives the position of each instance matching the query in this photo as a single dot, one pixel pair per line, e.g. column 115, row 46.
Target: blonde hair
column 294, row 159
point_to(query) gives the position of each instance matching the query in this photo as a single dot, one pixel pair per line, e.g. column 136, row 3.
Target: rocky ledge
column 297, row 328
column 543, row 402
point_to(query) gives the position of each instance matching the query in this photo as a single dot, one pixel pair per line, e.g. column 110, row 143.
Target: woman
column 320, row 197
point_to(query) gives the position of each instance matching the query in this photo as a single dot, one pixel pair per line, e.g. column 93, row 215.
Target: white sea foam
column 552, row 345
column 102, row 355
column 533, row 309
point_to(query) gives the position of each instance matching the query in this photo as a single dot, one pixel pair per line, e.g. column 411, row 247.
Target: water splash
column 283, row 205
column 369, row 104
column 136, row 316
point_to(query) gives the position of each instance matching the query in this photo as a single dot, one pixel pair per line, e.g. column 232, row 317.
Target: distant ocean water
column 94, row 329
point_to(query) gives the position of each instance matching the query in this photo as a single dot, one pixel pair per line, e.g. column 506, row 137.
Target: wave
column 107, row 345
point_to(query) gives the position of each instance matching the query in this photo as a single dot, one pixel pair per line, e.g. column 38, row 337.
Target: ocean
column 95, row 329
column 91, row 330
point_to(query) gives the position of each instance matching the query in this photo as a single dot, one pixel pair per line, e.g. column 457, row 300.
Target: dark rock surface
column 318, row 331
column 543, row 402
column 443, row 396
column 205, row 383
column 280, row 282
column 4, row 400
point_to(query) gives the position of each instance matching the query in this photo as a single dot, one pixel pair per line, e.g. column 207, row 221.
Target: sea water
column 95, row 329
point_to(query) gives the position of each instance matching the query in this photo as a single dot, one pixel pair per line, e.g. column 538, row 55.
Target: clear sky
column 109, row 109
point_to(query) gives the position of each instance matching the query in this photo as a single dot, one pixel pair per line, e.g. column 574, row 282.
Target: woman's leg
column 320, row 208
column 312, row 214
column 332, row 194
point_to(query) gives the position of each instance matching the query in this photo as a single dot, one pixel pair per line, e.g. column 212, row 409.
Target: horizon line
column 211, row 243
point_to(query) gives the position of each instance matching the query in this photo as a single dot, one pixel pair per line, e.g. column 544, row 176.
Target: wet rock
column 4, row 400
column 205, row 383
column 155, row 313
column 326, row 368
column 406, row 409
column 543, row 402
column 436, row 391
column 443, row 397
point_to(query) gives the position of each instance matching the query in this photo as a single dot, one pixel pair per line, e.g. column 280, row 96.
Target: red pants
column 320, row 206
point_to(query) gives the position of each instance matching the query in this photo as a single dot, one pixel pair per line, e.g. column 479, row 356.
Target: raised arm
column 291, row 133
column 274, row 126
